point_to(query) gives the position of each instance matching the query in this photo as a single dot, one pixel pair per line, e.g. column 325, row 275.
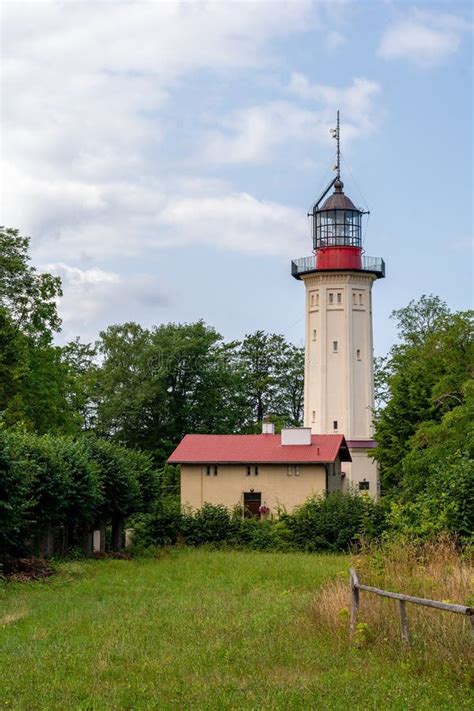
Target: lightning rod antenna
column 338, row 154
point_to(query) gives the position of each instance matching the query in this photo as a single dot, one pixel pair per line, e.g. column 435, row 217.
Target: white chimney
column 296, row 435
column 268, row 427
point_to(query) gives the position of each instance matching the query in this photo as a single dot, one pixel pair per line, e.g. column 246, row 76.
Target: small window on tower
column 317, row 299
column 358, row 353
column 314, row 416
column 361, row 302
column 339, row 298
column 354, row 299
column 334, row 346
column 364, row 485
column 331, row 298
column 334, row 425
column 312, row 299
column 314, row 334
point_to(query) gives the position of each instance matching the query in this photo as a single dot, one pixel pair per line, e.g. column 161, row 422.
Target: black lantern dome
column 337, row 223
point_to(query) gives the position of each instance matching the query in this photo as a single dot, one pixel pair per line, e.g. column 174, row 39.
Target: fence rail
column 402, row 600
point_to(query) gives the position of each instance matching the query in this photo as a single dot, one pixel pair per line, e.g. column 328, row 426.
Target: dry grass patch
column 435, row 570
column 11, row 618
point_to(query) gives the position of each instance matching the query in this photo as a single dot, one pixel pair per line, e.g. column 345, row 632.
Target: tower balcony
column 307, row 265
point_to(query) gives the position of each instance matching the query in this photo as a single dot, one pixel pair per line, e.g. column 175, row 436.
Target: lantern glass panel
column 336, row 227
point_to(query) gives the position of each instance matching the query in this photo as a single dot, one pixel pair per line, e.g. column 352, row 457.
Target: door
column 252, row 503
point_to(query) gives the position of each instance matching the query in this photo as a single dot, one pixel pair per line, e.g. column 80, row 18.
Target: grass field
column 197, row 630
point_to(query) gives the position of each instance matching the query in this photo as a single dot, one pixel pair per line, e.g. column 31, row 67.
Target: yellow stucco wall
column 277, row 488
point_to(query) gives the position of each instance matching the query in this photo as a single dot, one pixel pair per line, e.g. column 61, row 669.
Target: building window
column 331, row 298
column 361, row 303
column 334, row 425
column 364, row 485
column 255, row 471
column 358, row 353
column 317, row 299
column 290, row 470
column 339, row 298
column 215, row 470
column 312, row 299
column 314, row 334
column 334, row 346
column 248, row 470
column 211, row 470
column 314, row 416
column 354, row 299
column 297, row 470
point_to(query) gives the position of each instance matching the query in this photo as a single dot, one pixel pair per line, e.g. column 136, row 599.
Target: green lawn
column 196, row 630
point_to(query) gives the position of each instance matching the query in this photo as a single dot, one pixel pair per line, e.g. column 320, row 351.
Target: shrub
column 161, row 527
column 445, row 505
column 13, row 503
column 334, row 521
column 210, row 524
column 262, row 534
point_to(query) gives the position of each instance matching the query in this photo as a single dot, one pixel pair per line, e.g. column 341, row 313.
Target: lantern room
column 337, row 222
column 337, row 231
column 337, row 236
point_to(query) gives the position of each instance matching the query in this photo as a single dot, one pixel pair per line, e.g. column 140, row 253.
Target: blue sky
column 163, row 156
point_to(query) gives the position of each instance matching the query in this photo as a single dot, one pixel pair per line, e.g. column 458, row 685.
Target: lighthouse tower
column 339, row 377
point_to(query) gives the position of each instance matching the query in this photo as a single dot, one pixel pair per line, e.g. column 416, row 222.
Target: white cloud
column 126, row 221
column 237, row 222
column 251, row 135
column 89, row 94
column 425, row 38
column 334, row 40
column 84, row 90
column 93, row 296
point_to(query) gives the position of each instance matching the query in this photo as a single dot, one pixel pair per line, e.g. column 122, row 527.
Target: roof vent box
column 296, row 436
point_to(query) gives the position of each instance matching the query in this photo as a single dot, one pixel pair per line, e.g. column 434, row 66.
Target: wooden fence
column 402, row 600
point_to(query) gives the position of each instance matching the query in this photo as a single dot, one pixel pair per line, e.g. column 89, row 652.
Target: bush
column 162, row 527
column 331, row 522
column 13, row 503
column 334, row 521
column 210, row 524
column 445, row 505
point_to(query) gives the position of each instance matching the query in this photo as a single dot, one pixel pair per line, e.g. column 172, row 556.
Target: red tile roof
column 257, row 448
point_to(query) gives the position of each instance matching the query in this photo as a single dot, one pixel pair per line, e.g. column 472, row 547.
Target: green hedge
column 55, row 488
column 332, row 522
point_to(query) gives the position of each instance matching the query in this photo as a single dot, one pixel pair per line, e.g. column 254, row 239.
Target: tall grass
column 197, row 629
column 436, row 570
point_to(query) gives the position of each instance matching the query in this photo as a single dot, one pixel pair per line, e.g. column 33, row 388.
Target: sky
column 163, row 156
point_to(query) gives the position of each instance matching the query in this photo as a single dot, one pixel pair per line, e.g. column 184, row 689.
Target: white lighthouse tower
column 339, row 377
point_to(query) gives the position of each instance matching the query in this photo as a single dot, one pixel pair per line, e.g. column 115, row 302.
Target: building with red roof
column 259, row 471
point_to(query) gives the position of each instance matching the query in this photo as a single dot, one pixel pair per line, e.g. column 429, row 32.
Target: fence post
column 354, row 602
column 404, row 622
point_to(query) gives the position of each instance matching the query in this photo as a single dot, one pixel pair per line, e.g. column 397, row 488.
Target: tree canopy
column 86, row 429
column 424, row 432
